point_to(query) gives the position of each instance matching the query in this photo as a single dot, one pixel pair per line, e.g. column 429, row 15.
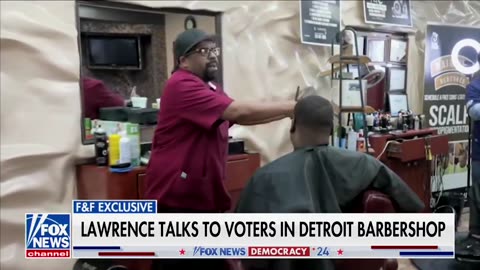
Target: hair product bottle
column 125, row 149
column 114, row 149
column 101, row 147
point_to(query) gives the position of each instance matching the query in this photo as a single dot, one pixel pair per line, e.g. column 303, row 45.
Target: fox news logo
column 213, row 252
column 47, row 235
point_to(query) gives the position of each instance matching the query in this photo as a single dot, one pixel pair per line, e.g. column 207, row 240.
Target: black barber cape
column 319, row 179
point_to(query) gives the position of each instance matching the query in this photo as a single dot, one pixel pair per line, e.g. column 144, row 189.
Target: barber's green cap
column 188, row 39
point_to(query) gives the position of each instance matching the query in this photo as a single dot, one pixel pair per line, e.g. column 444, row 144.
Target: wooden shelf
column 328, row 72
column 366, row 109
column 349, row 59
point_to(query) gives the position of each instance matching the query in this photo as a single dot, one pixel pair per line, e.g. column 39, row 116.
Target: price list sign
column 319, row 21
column 388, row 12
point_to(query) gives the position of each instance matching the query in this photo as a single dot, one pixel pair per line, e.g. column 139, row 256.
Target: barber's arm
column 204, row 107
column 261, row 113
column 254, row 113
column 473, row 101
column 264, row 121
column 108, row 98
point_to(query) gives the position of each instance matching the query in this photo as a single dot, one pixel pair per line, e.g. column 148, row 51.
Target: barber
column 470, row 247
column 186, row 171
column 97, row 95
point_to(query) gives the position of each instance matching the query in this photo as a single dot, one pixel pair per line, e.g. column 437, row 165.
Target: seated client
column 317, row 178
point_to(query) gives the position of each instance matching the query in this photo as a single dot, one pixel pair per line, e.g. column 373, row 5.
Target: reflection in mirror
column 126, row 58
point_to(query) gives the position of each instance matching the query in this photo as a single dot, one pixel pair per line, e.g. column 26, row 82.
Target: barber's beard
column 209, row 75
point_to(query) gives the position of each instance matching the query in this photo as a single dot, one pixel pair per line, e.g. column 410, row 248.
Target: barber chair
column 370, row 202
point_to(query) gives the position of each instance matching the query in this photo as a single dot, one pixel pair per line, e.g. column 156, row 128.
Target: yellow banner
column 451, row 78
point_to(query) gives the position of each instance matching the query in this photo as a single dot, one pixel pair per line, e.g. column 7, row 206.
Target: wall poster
column 388, row 12
column 319, row 21
column 450, row 62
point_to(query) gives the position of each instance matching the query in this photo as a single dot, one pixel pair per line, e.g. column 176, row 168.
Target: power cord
column 437, row 178
column 385, row 148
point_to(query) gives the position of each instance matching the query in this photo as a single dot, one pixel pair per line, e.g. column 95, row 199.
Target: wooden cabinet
column 240, row 169
column 97, row 183
column 407, row 157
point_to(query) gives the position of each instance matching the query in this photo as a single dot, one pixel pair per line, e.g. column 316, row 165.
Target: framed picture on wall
column 398, row 102
column 376, row 50
column 397, row 79
column 398, row 50
column 351, row 93
column 361, row 46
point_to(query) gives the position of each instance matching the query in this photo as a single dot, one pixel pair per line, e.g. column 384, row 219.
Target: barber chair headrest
column 97, row 264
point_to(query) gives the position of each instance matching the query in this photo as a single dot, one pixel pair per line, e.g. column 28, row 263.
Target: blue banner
column 114, row 207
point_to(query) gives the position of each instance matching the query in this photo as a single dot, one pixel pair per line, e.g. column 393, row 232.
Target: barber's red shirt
column 96, row 95
column 190, row 146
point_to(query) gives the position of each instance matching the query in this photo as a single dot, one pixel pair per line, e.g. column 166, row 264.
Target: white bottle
column 370, row 120
column 125, row 149
column 352, row 137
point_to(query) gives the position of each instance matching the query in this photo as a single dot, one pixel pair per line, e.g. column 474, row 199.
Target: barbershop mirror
column 126, row 56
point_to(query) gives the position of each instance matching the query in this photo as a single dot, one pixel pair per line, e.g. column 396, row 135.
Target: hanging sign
column 319, row 21
column 388, row 12
column 450, row 62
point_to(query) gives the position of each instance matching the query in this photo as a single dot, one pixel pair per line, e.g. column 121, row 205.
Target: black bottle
column 101, row 147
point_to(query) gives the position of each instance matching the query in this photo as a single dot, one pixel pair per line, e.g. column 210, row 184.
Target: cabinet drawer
column 98, row 183
column 239, row 171
column 238, row 174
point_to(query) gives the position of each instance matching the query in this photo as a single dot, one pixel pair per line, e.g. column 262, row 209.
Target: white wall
column 40, row 101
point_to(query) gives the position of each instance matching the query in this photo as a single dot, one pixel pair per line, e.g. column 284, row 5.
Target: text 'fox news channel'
column 134, row 229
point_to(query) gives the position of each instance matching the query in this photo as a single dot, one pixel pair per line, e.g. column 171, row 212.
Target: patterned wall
column 147, row 81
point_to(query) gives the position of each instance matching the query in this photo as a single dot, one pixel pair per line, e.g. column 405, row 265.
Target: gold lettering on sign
column 451, row 78
column 441, row 65
column 444, row 64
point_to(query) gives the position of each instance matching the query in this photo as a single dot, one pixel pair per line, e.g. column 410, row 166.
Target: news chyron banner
column 134, row 229
column 450, row 63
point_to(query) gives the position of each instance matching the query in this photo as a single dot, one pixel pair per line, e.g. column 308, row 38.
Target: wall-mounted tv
column 114, row 52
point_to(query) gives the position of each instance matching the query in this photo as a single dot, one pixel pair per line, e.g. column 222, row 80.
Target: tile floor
column 462, row 227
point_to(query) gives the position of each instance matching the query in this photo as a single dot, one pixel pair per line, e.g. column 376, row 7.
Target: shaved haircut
column 314, row 113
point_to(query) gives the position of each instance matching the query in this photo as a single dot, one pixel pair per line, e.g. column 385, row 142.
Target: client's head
column 312, row 122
